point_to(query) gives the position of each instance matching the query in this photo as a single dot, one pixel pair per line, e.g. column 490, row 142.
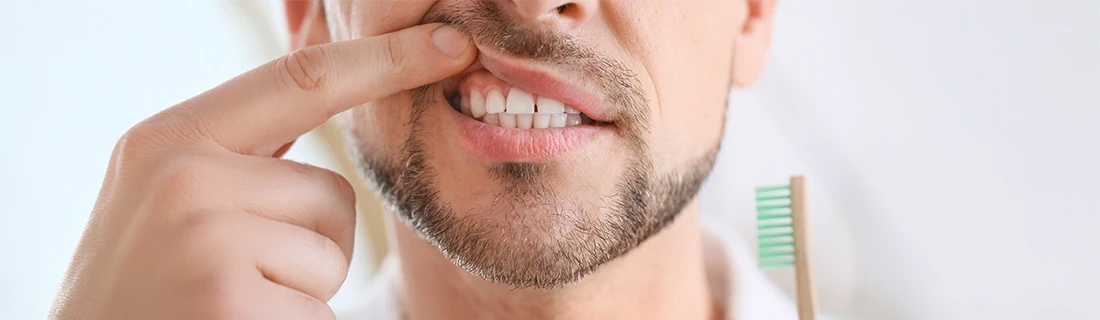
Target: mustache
column 490, row 27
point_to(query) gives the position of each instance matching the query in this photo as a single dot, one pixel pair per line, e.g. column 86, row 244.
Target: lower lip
column 522, row 145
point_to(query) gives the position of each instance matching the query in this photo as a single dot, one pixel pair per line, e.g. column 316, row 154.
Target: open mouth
column 486, row 98
column 514, row 110
column 501, row 92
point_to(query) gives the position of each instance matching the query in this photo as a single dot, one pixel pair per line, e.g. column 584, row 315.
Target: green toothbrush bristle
column 774, row 233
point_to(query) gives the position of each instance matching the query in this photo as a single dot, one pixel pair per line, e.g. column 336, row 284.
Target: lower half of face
column 535, row 170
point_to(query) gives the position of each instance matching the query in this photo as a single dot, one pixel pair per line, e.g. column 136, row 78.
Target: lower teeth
column 526, row 120
column 535, row 120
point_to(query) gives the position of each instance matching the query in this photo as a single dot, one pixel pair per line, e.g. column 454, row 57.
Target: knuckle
column 154, row 137
column 144, row 138
column 203, row 238
column 133, row 144
column 390, row 55
column 341, row 186
column 339, row 262
column 304, row 68
column 333, row 261
column 192, row 226
column 139, row 137
column 331, row 180
column 185, row 176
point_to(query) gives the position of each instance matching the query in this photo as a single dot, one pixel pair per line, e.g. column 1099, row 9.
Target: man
column 541, row 159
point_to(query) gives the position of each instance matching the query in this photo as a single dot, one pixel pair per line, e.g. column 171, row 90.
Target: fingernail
column 449, row 41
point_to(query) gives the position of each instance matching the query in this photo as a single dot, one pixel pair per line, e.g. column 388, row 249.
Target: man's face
column 537, row 195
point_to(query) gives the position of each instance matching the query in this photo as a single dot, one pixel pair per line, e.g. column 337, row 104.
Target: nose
column 557, row 13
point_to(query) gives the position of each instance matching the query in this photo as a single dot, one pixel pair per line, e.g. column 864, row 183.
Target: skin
column 199, row 218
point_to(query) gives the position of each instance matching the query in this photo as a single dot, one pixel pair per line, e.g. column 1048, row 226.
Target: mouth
column 509, row 109
column 508, row 87
column 484, row 97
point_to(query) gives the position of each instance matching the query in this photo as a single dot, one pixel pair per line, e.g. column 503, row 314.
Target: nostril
column 564, row 14
column 569, row 10
column 565, row 8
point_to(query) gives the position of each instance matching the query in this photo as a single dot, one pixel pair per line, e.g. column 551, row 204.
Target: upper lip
column 543, row 81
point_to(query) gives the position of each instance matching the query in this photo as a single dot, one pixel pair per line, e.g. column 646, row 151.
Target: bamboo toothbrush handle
column 807, row 296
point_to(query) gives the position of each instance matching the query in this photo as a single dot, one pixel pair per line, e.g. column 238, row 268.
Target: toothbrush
column 783, row 238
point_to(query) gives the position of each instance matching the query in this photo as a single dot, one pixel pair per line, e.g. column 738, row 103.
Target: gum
column 484, row 82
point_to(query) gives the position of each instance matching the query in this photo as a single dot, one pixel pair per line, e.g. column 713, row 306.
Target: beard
column 531, row 235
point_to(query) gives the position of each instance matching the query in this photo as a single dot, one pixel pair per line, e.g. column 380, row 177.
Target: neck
column 662, row 278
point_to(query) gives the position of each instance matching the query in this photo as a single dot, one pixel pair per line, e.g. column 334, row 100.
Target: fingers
column 311, row 213
column 296, row 222
column 310, row 197
column 267, row 107
column 297, row 258
column 277, row 302
column 306, row 196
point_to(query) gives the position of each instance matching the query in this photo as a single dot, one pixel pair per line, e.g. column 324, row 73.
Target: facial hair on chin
column 574, row 239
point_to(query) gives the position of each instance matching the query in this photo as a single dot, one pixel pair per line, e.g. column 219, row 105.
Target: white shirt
column 731, row 271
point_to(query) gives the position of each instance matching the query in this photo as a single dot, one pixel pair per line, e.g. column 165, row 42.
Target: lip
column 542, row 81
column 528, row 145
column 521, row 145
column 501, row 144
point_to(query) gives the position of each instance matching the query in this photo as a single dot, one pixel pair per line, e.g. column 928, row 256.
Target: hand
column 198, row 218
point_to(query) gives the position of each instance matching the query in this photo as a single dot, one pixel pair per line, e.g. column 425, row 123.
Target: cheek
column 380, row 127
column 687, row 55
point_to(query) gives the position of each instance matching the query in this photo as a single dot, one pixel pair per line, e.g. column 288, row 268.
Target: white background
column 952, row 147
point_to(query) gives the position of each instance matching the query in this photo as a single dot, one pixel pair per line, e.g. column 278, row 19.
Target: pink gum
column 484, row 82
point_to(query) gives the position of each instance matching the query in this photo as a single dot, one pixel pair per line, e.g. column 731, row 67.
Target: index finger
column 263, row 109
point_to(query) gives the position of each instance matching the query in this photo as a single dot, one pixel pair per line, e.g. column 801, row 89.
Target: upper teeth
column 519, row 110
column 494, row 103
column 477, row 104
column 520, row 101
column 547, row 105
